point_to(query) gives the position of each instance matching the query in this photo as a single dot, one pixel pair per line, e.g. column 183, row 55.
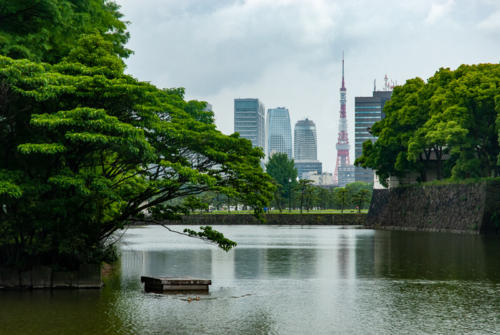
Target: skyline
column 288, row 52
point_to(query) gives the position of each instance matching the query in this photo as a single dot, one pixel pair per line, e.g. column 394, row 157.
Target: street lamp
column 289, row 195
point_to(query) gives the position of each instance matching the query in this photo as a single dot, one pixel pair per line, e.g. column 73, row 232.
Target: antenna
column 374, row 85
column 343, row 83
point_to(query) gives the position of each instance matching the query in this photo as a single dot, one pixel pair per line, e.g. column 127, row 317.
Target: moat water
column 282, row 280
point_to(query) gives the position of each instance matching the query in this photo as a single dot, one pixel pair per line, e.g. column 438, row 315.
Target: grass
column 294, row 211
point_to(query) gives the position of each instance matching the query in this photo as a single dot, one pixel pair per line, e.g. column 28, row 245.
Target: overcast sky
column 288, row 52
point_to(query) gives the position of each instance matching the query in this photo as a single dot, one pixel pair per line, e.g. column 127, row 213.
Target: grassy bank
column 294, row 211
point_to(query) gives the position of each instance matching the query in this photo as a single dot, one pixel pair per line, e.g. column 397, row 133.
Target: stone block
column 41, row 277
column 89, row 276
column 9, row 278
column 25, row 279
column 63, row 279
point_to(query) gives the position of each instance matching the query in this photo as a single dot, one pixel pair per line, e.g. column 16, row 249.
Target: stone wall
column 462, row 208
column 87, row 276
column 273, row 219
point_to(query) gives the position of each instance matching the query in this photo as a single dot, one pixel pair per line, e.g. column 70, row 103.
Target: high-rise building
column 367, row 111
column 306, row 166
column 249, row 120
column 306, row 148
column 279, row 131
column 305, row 141
column 344, row 171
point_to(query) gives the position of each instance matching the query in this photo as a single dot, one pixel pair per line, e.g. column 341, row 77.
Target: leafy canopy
column 283, row 171
column 47, row 30
column 451, row 120
column 85, row 148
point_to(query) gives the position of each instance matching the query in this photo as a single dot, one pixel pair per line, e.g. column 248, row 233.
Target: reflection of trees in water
column 364, row 255
column 274, row 262
column 291, row 263
column 194, row 263
column 248, row 262
column 436, row 256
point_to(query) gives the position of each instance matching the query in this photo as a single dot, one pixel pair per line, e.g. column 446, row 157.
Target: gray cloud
column 287, row 52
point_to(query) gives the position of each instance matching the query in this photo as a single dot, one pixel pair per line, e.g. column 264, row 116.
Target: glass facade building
column 306, row 148
column 249, row 121
column 305, row 140
column 304, row 167
column 367, row 111
column 279, row 131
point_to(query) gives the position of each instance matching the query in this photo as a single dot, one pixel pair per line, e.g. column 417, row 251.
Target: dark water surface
column 282, row 280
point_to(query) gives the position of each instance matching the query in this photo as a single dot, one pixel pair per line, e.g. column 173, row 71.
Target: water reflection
column 282, row 280
column 431, row 256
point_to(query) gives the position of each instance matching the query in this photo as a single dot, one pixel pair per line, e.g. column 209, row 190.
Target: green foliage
column 46, row 30
column 342, row 197
column 284, row 173
column 448, row 121
column 85, row 148
column 212, row 235
column 361, row 198
column 306, row 191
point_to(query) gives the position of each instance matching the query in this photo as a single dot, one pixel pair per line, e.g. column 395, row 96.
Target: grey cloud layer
column 288, row 52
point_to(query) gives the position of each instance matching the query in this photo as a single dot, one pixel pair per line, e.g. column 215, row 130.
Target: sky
column 288, row 52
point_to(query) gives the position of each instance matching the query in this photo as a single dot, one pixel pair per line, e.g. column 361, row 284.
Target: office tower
column 305, row 140
column 249, row 120
column 367, row 111
column 305, row 148
column 344, row 171
column 279, row 132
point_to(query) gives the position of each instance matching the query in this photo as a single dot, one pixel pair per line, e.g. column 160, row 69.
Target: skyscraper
column 305, row 140
column 306, row 148
column 344, row 171
column 367, row 111
column 249, row 120
column 279, row 131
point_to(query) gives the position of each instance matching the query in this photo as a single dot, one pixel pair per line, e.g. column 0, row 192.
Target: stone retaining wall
column 87, row 276
column 460, row 208
column 271, row 219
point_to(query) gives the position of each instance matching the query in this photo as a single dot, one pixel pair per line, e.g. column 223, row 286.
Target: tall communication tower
column 343, row 139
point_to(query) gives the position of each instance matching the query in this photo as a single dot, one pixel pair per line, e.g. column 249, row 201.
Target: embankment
column 43, row 277
column 271, row 219
column 461, row 208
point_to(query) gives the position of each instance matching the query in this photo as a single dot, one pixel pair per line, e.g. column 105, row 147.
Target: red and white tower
column 343, row 140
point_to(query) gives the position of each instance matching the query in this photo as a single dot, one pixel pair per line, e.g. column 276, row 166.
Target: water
column 282, row 280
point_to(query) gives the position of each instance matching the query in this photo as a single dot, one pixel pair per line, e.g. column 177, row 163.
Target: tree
column 46, row 30
column 86, row 149
column 283, row 171
column 342, row 197
column 361, row 198
column 322, row 198
column 453, row 114
column 404, row 113
column 305, row 191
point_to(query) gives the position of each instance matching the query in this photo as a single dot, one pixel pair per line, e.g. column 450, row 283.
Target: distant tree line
column 301, row 194
column 290, row 193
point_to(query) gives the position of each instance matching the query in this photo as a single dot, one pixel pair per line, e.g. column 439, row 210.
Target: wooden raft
column 162, row 284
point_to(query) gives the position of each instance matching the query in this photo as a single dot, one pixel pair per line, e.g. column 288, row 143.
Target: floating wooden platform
column 170, row 284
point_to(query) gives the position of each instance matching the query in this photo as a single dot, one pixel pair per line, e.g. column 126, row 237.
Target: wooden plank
column 176, row 280
column 159, row 284
column 185, row 287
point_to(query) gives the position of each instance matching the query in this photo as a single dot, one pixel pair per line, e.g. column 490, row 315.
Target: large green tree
column 449, row 120
column 47, row 30
column 86, row 148
column 283, row 171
